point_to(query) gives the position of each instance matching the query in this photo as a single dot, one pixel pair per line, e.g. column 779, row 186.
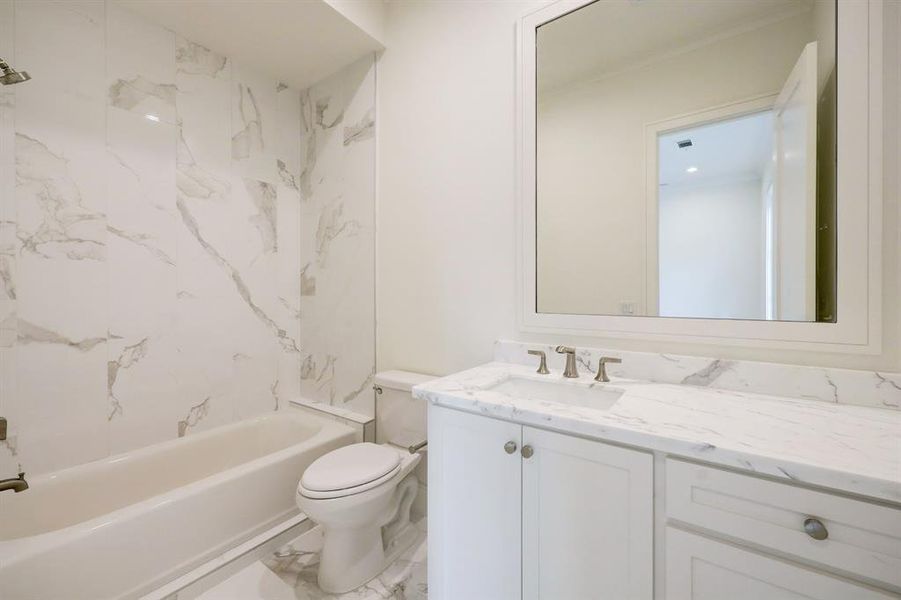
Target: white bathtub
column 121, row 526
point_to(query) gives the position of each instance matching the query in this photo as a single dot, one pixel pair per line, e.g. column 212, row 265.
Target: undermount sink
column 597, row 396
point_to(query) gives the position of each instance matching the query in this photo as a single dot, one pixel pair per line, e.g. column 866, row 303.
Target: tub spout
column 16, row 484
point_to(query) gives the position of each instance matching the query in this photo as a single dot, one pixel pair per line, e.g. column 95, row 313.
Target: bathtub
column 122, row 526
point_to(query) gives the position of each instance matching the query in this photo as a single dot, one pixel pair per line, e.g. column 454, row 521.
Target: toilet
column 362, row 494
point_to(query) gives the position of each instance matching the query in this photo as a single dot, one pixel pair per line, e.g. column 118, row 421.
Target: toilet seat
column 349, row 470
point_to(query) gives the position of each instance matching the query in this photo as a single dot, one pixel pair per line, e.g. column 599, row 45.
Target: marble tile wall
column 845, row 386
column 150, row 207
column 337, row 283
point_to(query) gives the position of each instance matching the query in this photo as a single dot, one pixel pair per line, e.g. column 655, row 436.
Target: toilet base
column 370, row 559
column 352, row 557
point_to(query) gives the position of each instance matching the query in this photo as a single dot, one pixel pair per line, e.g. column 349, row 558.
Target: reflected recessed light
column 691, row 170
column 153, row 118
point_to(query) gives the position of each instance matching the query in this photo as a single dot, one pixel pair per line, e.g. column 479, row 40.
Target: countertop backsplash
column 876, row 389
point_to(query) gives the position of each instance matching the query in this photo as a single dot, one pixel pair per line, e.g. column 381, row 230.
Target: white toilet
column 361, row 496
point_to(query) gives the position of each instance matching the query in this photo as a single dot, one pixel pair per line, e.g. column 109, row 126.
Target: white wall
column 446, row 222
column 712, row 251
column 445, row 150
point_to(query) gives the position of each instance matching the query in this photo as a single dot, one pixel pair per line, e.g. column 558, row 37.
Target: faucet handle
column 542, row 364
column 602, row 367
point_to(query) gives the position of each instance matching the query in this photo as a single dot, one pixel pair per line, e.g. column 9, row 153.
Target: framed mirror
column 701, row 169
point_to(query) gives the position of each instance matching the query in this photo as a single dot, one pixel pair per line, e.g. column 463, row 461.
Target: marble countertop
column 849, row 448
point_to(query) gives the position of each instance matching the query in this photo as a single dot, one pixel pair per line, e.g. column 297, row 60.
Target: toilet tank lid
column 401, row 380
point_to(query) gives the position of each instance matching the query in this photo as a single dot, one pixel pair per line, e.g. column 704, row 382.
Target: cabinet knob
column 815, row 528
column 510, row 447
column 527, row 452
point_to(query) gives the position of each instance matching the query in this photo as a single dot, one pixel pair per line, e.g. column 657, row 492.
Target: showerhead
column 10, row 76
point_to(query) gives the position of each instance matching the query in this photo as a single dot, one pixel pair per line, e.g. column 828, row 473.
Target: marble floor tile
column 290, row 574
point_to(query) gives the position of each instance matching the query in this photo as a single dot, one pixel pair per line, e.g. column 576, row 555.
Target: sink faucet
column 570, row 371
column 16, row 484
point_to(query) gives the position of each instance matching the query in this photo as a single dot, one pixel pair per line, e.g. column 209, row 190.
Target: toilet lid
column 349, row 467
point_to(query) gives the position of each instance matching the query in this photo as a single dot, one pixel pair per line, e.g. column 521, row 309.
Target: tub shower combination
column 123, row 526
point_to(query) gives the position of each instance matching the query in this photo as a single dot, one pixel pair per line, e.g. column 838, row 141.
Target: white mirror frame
column 859, row 209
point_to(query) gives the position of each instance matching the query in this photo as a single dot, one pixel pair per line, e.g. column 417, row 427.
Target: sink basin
column 597, row 396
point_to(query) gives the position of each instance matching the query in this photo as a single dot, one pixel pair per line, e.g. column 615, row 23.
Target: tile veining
column 127, row 94
column 195, row 415
column 63, row 225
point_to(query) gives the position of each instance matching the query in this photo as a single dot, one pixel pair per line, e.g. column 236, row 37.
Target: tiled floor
column 290, row 574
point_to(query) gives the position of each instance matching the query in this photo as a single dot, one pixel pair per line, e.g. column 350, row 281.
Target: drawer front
column 701, row 568
column 862, row 539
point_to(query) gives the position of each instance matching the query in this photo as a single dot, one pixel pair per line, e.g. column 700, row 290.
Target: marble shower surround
column 149, row 236
column 842, row 386
column 337, row 275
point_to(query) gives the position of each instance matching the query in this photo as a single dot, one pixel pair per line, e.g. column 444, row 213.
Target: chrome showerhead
column 10, row 76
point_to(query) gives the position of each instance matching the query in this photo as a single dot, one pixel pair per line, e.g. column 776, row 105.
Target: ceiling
column 612, row 35
column 298, row 42
column 738, row 148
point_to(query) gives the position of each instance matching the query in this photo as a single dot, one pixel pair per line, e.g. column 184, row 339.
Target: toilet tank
column 400, row 419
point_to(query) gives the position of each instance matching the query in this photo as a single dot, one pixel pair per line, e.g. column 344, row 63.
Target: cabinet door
column 700, row 568
column 474, row 489
column 588, row 519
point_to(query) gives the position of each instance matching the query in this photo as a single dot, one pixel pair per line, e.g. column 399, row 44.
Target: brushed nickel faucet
column 542, row 364
column 602, row 368
column 570, row 371
column 16, row 484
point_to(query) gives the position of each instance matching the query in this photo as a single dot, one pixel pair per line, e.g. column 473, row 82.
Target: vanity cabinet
column 520, row 512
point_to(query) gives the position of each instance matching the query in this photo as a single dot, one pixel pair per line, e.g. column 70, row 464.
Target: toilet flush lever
column 2, row 428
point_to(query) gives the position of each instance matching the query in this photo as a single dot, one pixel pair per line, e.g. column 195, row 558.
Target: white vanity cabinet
column 519, row 512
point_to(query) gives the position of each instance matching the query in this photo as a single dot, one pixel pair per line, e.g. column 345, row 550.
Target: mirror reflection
column 686, row 160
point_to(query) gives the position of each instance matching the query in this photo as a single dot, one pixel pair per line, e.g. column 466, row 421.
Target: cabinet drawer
column 863, row 539
column 701, row 568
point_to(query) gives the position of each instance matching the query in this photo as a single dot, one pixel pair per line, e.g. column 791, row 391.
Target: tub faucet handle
column 542, row 364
